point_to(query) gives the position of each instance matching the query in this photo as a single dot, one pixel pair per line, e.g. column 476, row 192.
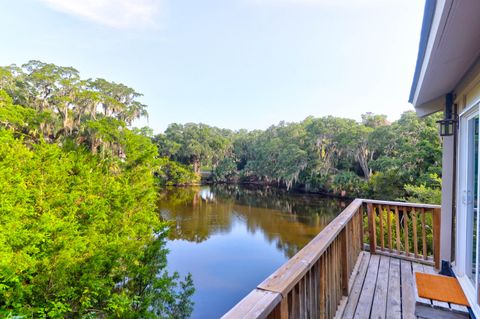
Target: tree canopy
column 372, row 158
column 80, row 235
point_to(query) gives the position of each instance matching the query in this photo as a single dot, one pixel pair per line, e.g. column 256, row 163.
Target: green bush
column 80, row 235
column 226, row 171
column 171, row 173
column 347, row 183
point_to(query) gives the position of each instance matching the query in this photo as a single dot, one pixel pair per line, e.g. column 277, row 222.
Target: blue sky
column 229, row 63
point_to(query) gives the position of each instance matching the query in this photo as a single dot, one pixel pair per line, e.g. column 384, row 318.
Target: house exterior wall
column 448, row 208
column 467, row 94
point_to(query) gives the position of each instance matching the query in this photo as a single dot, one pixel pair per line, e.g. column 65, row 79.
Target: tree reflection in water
column 288, row 219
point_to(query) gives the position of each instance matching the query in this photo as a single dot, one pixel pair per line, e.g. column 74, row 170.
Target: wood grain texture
column 394, row 306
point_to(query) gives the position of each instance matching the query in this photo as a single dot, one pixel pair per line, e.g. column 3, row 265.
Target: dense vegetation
column 80, row 235
column 374, row 158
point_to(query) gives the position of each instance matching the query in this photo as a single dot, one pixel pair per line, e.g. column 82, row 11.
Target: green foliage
column 80, row 236
column 226, row 171
column 373, row 158
column 429, row 192
column 348, row 183
column 173, row 173
column 194, row 144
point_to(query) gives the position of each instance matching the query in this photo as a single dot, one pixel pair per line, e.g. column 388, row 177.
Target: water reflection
column 220, row 232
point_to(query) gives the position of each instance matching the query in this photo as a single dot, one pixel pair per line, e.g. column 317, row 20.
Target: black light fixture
column 447, row 127
column 448, row 124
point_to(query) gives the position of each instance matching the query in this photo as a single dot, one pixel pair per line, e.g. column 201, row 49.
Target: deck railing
column 404, row 230
column 315, row 282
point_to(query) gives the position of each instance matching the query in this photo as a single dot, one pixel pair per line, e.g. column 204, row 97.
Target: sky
column 229, row 63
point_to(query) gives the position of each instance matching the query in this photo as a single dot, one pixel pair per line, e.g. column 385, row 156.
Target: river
column 230, row 237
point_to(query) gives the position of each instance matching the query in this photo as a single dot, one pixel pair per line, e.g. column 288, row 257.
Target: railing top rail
column 287, row 276
column 257, row 304
column 415, row 205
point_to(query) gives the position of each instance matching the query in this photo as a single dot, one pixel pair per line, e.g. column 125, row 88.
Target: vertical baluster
column 329, row 282
column 360, row 221
column 323, row 304
column 332, row 278
column 316, row 313
column 382, row 239
column 335, row 276
column 372, row 228
column 296, row 302
column 436, row 236
column 311, row 296
column 405, row 231
column 397, row 228
column 424, row 236
column 291, row 303
column 414, row 231
column 344, row 262
column 339, row 273
column 389, row 226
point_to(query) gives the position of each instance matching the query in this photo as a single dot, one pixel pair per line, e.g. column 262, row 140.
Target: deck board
column 384, row 287
column 379, row 307
column 351, row 306
column 394, row 306
column 364, row 305
column 408, row 293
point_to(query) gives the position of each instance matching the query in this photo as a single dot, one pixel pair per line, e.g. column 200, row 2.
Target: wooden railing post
column 372, row 236
column 436, row 236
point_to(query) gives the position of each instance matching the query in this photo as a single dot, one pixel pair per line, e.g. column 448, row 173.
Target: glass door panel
column 470, row 197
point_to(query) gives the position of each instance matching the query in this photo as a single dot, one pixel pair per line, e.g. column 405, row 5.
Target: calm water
column 231, row 238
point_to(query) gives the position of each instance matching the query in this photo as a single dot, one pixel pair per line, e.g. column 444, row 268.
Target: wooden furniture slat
column 430, row 270
column 379, row 307
column 366, row 297
column 394, row 307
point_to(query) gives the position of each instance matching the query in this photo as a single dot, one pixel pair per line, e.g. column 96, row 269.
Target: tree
column 80, row 235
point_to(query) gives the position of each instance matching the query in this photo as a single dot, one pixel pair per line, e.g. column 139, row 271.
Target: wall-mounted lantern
column 447, row 127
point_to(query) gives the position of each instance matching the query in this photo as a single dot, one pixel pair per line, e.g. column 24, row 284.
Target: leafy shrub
column 80, row 235
column 226, row 171
column 171, row 173
column 347, row 183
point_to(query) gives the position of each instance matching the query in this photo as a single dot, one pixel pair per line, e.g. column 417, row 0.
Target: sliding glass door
column 468, row 212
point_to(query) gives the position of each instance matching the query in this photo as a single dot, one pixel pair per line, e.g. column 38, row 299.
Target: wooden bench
column 433, row 308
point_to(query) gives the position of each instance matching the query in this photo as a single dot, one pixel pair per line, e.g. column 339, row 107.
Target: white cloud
column 113, row 13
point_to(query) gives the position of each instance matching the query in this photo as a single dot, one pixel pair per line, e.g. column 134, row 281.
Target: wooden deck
column 332, row 277
column 384, row 287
